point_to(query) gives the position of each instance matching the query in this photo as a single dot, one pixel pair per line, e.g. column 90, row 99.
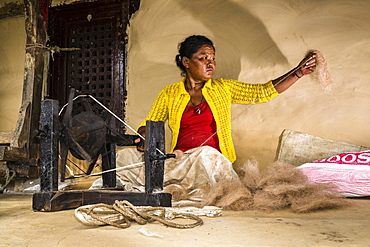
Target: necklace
column 198, row 110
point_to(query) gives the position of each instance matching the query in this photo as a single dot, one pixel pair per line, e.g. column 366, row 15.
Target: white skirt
column 188, row 178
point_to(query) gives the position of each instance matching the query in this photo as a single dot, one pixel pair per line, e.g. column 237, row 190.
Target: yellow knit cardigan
column 219, row 94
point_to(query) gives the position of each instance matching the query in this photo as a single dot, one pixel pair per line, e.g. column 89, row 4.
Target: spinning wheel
column 82, row 135
column 86, row 137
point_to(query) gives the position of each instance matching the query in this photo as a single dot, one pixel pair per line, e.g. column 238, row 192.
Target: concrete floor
column 350, row 226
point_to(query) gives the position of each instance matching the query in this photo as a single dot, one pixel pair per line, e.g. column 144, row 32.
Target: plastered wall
column 12, row 56
column 257, row 41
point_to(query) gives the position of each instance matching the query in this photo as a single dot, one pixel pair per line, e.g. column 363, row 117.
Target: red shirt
column 196, row 126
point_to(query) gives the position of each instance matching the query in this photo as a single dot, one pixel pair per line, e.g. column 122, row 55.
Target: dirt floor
column 350, row 226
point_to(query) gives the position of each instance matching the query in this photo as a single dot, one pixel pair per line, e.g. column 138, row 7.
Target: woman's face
column 201, row 65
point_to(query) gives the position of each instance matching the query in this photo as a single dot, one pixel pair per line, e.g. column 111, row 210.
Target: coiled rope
column 122, row 213
column 9, row 175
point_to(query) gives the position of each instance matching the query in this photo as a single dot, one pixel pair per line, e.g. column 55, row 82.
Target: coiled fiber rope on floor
column 122, row 213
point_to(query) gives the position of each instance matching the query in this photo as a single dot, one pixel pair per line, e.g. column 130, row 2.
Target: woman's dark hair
column 190, row 46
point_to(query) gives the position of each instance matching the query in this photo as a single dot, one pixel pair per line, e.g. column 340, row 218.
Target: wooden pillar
column 154, row 147
column 108, row 153
column 49, row 146
column 35, row 67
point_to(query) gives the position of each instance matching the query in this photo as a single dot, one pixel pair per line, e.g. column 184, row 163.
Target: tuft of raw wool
column 322, row 74
column 268, row 202
column 229, row 194
column 281, row 186
column 281, row 173
column 250, row 175
column 317, row 200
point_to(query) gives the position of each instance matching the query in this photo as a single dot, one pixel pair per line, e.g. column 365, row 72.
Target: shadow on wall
column 238, row 32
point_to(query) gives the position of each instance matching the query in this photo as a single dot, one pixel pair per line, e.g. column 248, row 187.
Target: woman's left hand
column 307, row 65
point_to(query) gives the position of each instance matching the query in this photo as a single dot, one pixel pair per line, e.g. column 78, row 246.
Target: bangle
column 295, row 74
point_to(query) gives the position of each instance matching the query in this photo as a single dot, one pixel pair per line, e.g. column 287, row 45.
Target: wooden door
column 95, row 34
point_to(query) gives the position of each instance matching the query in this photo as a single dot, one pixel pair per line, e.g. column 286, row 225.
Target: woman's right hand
column 140, row 141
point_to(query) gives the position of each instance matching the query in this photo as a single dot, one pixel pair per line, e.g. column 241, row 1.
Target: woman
column 198, row 110
column 209, row 98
